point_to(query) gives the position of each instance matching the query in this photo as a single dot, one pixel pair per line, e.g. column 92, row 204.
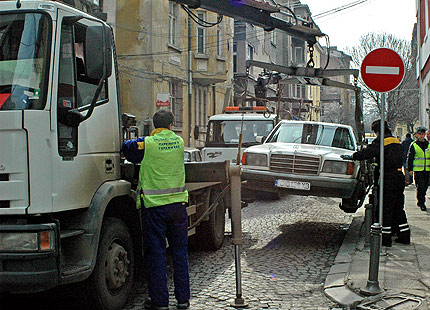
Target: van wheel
column 210, row 234
column 110, row 283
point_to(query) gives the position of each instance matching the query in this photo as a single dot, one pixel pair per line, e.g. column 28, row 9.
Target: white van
column 222, row 138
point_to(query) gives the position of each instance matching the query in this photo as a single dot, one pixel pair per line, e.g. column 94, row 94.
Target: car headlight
column 338, row 167
column 253, row 159
column 27, row 241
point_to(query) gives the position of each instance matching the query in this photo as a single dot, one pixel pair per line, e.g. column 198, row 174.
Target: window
column 273, row 37
column 250, row 52
column 175, row 90
column 201, row 113
column 304, row 133
column 201, row 35
column 227, row 132
column 75, row 88
column 173, row 23
column 234, row 57
column 299, row 57
column 24, row 60
column 219, row 39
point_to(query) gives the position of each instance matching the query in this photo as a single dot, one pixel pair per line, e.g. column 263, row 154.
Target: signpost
column 382, row 70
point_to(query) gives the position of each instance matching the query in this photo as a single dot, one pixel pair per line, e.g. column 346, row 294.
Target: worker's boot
column 404, row 237
column 386, row 240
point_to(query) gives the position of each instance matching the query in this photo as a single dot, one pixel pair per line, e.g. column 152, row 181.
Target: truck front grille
column 4, row 177
column 4, row 204
column 295, row 164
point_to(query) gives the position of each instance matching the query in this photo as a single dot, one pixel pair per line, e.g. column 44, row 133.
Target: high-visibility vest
column 421, row 159
column 162, row 171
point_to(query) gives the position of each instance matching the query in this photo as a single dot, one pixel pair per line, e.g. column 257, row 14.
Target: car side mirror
column 260, row 139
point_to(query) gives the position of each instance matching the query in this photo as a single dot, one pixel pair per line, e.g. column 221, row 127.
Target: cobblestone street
column 289, row 246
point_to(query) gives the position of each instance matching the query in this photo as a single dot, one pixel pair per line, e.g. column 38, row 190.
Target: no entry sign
column 382, row 70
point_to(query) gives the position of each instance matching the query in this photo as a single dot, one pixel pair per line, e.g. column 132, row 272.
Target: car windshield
column 24, row 60
column 227, row 132
column 317, row 134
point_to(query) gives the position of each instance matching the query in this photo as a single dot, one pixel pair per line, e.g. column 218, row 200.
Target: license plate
column 306, row 186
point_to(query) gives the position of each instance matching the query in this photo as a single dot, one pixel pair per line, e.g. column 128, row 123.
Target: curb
column 335, row 287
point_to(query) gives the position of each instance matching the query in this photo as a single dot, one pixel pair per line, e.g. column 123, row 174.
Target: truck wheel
column 112, row 279
column 210, row 234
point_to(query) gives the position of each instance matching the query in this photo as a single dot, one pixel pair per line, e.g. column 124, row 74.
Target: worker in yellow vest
column 162, row 198
column 419, row 165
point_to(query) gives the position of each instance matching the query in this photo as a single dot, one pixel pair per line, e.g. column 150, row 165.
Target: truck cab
column 222, row 138
column 67, row 200
column 61, row 190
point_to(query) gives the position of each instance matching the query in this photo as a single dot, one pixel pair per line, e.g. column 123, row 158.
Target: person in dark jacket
column 419, row 165
column 394, row 217
column 405, row 149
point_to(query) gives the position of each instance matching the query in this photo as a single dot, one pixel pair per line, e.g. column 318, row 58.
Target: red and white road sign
column 382, row 70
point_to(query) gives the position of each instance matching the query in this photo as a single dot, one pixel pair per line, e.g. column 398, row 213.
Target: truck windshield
column 24, row 60
column 227, row 132
column 316, row 134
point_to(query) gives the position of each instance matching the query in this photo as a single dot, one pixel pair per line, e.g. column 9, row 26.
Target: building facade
column 423, row 60
column 337, row 103
column 168, row 61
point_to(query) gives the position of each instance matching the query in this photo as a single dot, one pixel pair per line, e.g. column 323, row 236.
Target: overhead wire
column 193, row 48
column 199, row 20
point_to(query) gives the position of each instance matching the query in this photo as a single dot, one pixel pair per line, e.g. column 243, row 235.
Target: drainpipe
column 190, row 79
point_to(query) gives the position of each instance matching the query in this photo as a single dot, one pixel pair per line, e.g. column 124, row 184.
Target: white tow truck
column 223, row 133
column 67, row 200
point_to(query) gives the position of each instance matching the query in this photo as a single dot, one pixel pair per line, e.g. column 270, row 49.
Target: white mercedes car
column 303, row 157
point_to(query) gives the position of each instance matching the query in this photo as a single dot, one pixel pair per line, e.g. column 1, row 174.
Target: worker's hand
column 346, row 157
column 411, row 173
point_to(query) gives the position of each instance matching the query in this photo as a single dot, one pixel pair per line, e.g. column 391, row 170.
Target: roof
column 315, row 123
column 238, row 117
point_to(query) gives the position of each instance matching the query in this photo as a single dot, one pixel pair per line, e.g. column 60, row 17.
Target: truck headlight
column 27, row 241
column 253, row 159
column 338, row 167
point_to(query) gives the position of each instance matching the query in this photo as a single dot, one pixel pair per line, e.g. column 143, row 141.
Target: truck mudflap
column 28, row 270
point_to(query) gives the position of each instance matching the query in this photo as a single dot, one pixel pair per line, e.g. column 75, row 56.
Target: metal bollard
column 372, row 287
column 367, row 223
column 236, row 223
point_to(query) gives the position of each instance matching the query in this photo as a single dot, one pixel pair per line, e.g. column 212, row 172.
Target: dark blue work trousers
column 158, row 223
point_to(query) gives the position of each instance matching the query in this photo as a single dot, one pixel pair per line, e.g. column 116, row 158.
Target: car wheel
column 348, row 205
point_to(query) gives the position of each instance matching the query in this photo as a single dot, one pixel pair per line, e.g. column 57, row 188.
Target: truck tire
column 210, row 234
column 112, row 278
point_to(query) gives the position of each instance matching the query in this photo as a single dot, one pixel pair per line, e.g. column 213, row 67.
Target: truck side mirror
column 98, row 38
column 260, row 139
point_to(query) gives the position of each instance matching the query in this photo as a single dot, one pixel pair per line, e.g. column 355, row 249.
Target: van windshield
column 24, row 60
column 226, row 132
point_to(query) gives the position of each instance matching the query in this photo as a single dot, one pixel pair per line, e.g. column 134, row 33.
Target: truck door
column 87, row 153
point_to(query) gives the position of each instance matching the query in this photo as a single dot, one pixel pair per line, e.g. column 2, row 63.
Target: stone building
column 168, row 61
column 337, row 103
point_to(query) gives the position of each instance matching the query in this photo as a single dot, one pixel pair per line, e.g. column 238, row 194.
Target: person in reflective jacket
column 419, row 165
column 394, row 219
column 162, row 198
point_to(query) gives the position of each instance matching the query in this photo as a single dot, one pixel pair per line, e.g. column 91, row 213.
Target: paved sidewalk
column 404, row 270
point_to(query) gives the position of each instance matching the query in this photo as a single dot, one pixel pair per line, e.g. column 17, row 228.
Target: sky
column 344, row 28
